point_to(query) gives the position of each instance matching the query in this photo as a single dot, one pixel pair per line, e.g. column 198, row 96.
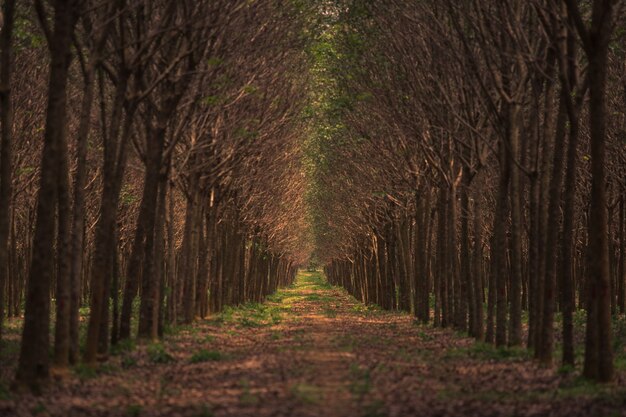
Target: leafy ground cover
column 312, row 350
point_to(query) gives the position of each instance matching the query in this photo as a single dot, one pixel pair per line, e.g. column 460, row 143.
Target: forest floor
column 312, row 350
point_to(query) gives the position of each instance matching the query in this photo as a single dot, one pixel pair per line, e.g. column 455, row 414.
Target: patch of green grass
column 85, row 372
column 488, row 352
column 424, row 336
column 134, row 410
column 128, row 361
column 330, row 312
column 580, row 387
column 248, row 322
column 123, row 346
column 10, row 348
column 250, row 315
column 39, row 408
column 108, row 368
column 565, row 370
column 158, row 354
column 277, row 297
column 5, row 393
column 306, row 394
column 361, row 383
column 204, row 355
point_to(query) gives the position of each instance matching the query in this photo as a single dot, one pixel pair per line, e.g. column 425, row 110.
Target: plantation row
column 474, row 153
column 149, row 156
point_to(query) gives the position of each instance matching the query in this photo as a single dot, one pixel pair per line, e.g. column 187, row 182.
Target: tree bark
column 33, row 366
column 6, row 157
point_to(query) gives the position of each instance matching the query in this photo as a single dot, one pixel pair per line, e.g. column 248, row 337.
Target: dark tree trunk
column 515, row 296
column 6, row 157
column 545, row 343
column 149, row 284
column 498, row 250
column 598, row 347
column 33, row 366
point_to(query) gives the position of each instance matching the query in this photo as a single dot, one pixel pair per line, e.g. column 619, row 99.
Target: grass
column 361, row 383
column 134, row 410
column 251, row 315
column 485, row 351
column 158, row 354
column 204, row 355
column 122, row 347
column 5, row 393
column 85, row 372
column 306, row 394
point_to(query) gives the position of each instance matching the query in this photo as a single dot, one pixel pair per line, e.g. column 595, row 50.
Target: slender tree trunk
column 548, row 130
column 515, row 197
column 78, row 212
column 546, row 340
column 63, row 295
column 478, row 270
column 466, row 270
column 6, row 157
column 149, row 282
column 498, row 250
column 105, row 241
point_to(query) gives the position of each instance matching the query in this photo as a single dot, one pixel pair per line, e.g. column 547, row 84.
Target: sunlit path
column 312, row 350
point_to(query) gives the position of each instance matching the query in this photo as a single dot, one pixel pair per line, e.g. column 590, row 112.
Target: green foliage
column 306, row 394
column 123, row 346
column 85, row 372
column 486, row 351
column 158, row 354
column 39, row 408
column 215, row 61
column 204, row 355
column 565, row 370
column 361, row 382
column 128, row 362
column 211, row 100
column 26, row 32
column 127, row 197
column 5, row 394
column 134, row 410
column 251, row 315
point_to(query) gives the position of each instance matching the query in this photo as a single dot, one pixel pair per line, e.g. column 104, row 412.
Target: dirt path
column 312, row 350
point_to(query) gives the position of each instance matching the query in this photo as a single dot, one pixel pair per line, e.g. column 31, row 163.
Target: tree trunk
column 545, row 343
column 105, row 241
column 63, row 295
column 515, row 197
column 149, row 283
column 478, row 270
column 78, row 213
column 33, row 366
column 498, row 250
column 598, row 347
column 6, row 157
